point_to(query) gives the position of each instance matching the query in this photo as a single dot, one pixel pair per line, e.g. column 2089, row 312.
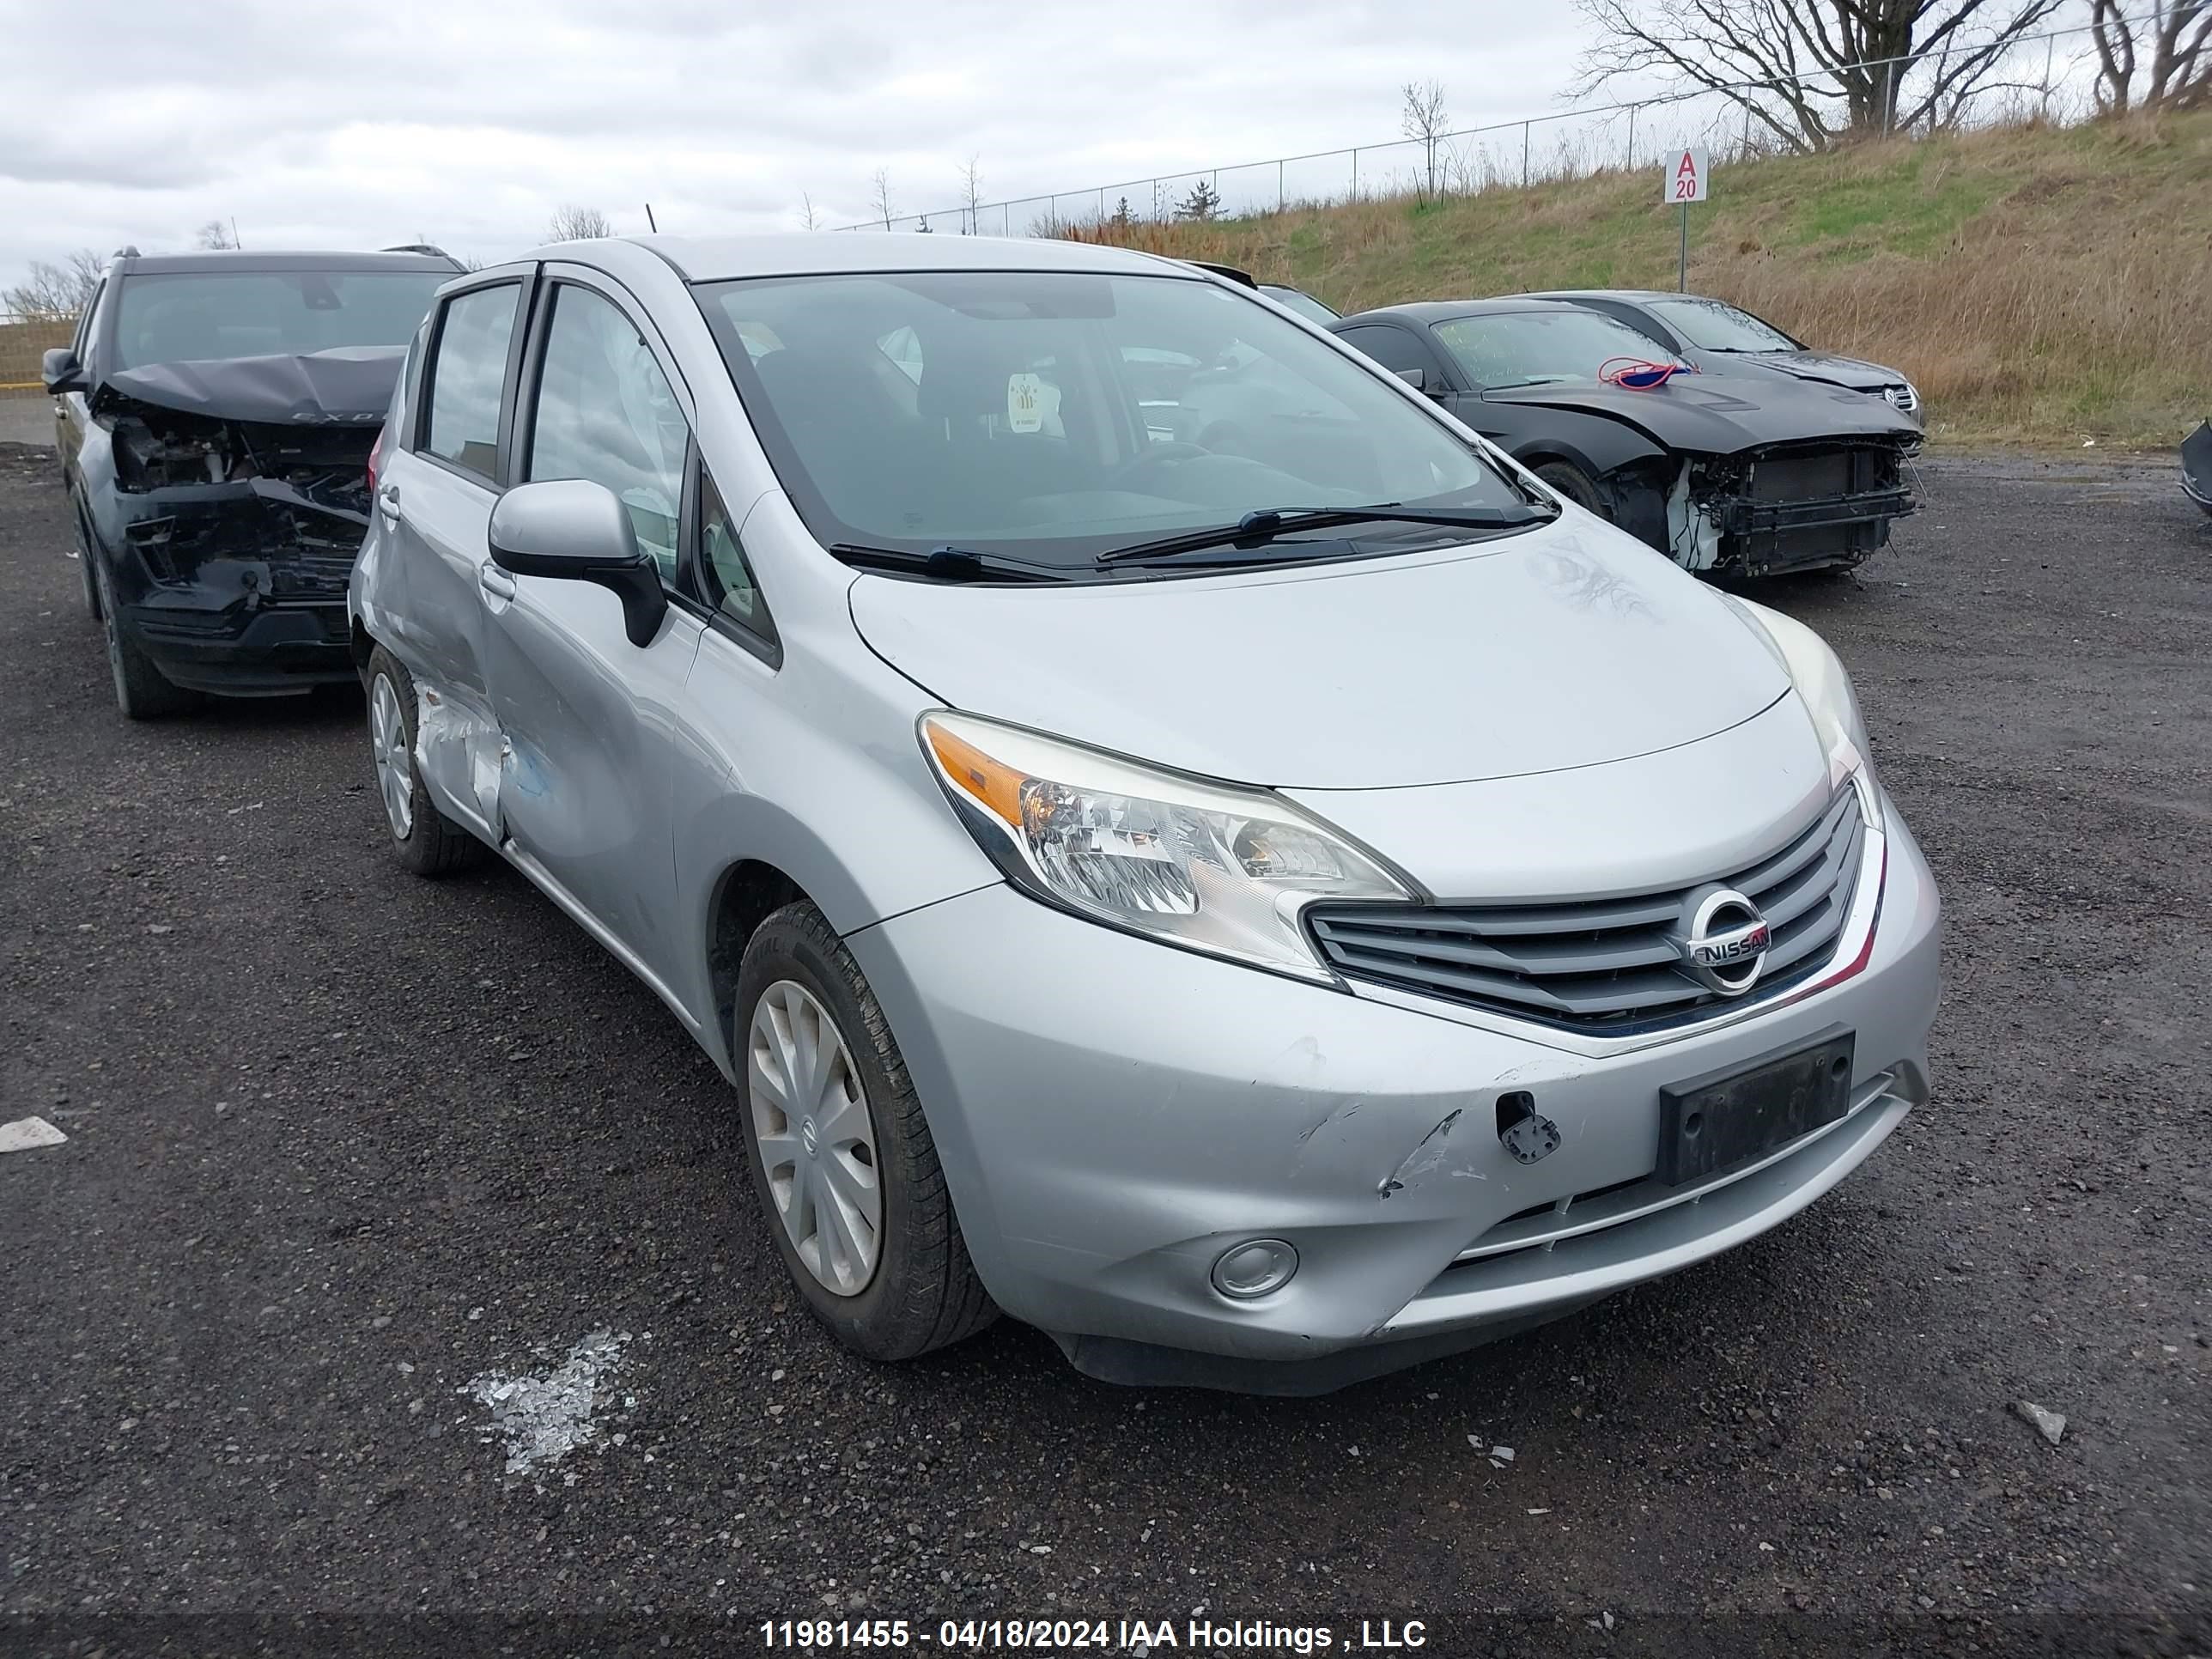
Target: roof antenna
column 654, row 228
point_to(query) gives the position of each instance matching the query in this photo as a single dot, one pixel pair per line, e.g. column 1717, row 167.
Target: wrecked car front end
column 1781, row 507
column 226, row 501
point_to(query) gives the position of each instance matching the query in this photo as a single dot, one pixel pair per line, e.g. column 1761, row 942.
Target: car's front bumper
column 1113, row 1113
column 231, row 652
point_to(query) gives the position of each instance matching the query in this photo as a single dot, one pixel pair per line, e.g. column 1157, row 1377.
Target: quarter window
column 467, row 375
column 605, row 413
column 729, row 574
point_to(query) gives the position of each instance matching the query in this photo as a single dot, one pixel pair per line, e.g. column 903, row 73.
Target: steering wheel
column 1158, row 455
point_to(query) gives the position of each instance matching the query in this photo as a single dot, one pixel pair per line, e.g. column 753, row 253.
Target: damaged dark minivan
column 215, row 416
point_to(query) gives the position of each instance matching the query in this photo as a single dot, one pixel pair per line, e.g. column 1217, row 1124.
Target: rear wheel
column 426, row 840
column 841, row 1155
column 142, row 691
column 1577, row 485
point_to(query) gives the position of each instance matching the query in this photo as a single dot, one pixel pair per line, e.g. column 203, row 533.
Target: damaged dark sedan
column 216, row 414
column 1724, row 476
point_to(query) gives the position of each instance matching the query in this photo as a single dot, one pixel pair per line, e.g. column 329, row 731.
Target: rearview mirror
column 1416, row 377
column 61, row 371
column 577, row 531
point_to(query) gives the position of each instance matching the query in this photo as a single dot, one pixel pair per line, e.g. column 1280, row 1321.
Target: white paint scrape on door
column 543, row 1418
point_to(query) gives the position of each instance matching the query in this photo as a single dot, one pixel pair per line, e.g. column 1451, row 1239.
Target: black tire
column 429, row 843
column 143, row 692
column 84, row 570
column 923, row 1293
column 1577, row 485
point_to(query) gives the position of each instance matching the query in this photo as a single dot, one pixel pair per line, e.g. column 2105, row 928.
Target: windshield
column 195, row 316
column 1531, row 348
column 1715, row 325
column 1050, row 416
column 1304, row 304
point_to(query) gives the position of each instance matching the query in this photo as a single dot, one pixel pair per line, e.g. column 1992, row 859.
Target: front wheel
column 1577, row 486
column 84, row 570
column 840, row 1154
column 143, row 692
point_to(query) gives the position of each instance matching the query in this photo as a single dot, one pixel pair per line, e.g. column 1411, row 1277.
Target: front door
column 589, row 718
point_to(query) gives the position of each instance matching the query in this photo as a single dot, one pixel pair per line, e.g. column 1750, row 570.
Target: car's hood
column 1719, row 415
column 1565, row 646
column 1825, row 367
column 346, row 386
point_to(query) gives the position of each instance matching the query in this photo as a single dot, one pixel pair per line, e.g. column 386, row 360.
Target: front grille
column 1604, row 966
column 1902, row 398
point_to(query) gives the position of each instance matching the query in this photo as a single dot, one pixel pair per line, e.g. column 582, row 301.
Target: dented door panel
column 587, row 721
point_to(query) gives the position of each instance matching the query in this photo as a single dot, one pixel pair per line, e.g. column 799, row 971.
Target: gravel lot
column 341, row 1141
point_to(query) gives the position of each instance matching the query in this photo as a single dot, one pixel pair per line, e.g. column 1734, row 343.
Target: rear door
column 590, row 719
column 433, row 500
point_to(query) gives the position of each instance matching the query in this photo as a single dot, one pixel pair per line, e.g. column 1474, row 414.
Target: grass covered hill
column 2040, row 284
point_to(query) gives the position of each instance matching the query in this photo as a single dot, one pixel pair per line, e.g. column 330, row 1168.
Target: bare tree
column 1814, row 72
column 808, row 219
column 215, row 234
column 2178, row 37
column 55, row 293
column 971, row 193
column 571, row 223
column 882, row 197
column 1423, row 118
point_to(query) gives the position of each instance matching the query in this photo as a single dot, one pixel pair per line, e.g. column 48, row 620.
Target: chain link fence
column 2051, row 74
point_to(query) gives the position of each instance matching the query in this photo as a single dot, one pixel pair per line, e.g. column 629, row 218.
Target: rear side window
column 468, row 368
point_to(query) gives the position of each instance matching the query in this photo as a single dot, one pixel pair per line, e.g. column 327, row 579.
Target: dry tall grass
column 2039, row 284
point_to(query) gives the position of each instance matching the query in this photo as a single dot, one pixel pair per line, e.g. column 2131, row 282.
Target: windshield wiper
column 956, row 564
column 1257, row 529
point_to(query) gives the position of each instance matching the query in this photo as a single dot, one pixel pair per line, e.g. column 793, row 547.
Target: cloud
column 467, row 121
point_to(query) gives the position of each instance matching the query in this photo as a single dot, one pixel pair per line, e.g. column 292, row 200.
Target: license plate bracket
column 1711, row 1123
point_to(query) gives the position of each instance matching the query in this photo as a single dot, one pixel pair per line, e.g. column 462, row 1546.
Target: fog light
column 1259, row 1266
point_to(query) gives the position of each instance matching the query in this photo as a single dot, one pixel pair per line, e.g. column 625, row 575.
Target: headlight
column 1826, row 690
column 1216, row 869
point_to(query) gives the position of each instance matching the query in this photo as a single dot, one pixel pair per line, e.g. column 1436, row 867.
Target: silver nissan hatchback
column 1168, row 834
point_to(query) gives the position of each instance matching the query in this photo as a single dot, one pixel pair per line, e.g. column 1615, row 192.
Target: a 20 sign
column 1685, row 177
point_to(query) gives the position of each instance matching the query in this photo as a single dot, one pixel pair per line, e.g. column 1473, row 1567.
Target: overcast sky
column 466, row 122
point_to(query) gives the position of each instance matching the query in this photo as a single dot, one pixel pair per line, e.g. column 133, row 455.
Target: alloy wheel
column 395, row 767
column 818, row 1144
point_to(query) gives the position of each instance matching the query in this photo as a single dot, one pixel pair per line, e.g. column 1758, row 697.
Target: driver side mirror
column 575, row 530
column 61, row 371
column 1419, row 380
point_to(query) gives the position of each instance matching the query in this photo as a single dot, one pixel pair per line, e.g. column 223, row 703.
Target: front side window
column 1051, row 416
column 178, row 317
column 1394, row 348
column 605, row 413
column 1533, row 348
column 1716, row 325
column 468, row 374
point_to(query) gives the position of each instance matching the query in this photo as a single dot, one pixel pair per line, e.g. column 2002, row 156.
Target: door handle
column 495, row 581
column 388, row 503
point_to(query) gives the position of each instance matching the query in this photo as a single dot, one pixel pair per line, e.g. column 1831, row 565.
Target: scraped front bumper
column 1113, row 1114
